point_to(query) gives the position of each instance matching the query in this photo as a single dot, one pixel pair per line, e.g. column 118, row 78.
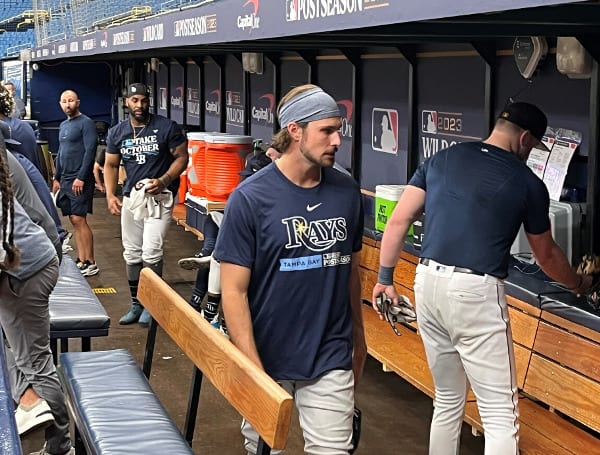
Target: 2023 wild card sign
column 450, row 108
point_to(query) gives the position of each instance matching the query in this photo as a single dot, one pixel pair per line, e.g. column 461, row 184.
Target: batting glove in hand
column 404, row 312
column 590, row 265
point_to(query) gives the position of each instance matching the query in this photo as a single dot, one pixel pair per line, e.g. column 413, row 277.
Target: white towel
column 144, row 205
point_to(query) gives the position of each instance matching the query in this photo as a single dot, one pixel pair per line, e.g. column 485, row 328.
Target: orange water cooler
column 225, row 157
column 196, row 181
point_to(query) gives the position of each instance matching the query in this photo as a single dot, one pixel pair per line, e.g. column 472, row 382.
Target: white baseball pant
column 465, row 327
column 143, row 240
column 326, row 410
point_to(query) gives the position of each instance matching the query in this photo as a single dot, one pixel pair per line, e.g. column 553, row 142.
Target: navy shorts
column 71, row 204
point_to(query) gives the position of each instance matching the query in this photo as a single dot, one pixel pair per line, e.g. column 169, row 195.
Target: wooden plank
column 368, row 281
column 565, row 390
column 409, row 257
column 562, row 433
column 569, row 350
column 523, row 326
column 367, row 192
column 369, row 241
column 523, row 306
column 405, row 273
column 369, row 257
column 522, row 359
column 404, row 355
column 543, row 432
column 179, row 211
column 472, row 416
column 179, row 215
column 257, row 397
column 571, row 326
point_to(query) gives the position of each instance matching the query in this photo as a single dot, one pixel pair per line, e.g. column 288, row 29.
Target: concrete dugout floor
column 396, row 416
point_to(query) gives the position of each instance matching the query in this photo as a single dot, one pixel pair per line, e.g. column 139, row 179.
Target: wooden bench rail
column 255, row 395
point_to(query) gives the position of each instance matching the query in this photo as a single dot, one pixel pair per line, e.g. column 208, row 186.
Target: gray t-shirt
column 35, row 246
column 26, row 194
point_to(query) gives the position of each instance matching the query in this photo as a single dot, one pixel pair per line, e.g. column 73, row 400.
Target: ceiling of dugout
column 203, row 30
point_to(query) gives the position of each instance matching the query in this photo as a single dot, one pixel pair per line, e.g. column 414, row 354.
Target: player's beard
column 141, row 118
column 321, row 161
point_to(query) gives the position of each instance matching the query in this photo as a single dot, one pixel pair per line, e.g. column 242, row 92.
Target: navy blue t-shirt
column 477, row 197
column 298, row 243
column 78, row 142
column 148, row 155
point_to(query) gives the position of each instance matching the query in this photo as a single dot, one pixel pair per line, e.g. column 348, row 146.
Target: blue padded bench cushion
column 114, row 407
column 10, row 444
column 529, row 284
column 73, row 305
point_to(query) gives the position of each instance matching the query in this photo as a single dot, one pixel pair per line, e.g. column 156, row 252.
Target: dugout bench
column 112, row 403
column 557, row 359
column 75, row 311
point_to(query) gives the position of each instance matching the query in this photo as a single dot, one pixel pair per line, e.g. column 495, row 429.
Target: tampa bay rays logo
column 317, row 235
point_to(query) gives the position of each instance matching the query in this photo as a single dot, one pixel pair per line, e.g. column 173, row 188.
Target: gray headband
column 314, row 104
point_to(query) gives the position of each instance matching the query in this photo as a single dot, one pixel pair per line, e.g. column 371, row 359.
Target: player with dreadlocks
column 9, row 254
column 29, row 271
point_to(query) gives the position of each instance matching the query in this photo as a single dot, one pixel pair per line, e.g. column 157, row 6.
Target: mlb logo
column 291, row 10
column 384, row 130
column 429, row 122
column 229, row 98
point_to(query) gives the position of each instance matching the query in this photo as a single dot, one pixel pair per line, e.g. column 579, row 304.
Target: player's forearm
column 111, row 175
column 239, row 324
column 556, row 265
column 392, row 242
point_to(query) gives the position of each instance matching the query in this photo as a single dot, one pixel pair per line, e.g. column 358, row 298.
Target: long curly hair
column 12, row 257
column 7, row 102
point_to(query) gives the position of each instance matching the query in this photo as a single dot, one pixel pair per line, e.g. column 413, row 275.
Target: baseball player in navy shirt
column 154, row 152
column 289, row 251
column 476, row 196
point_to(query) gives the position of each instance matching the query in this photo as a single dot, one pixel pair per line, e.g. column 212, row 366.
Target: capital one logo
column 347, row 109
column 213, row 106
column 250, row 21
column 177, row 100
column 317, row 235
column 264, row 114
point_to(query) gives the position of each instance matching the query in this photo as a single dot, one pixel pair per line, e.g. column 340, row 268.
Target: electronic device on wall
column 529, row 51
